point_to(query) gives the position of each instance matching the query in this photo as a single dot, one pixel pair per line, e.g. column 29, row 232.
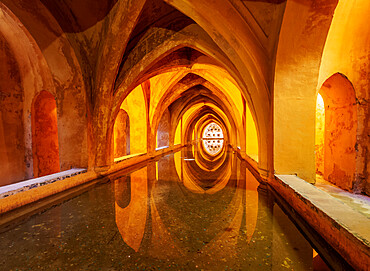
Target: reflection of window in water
column 213, row 138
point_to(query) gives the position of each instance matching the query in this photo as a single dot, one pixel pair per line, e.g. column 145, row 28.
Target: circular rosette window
column 213, row 138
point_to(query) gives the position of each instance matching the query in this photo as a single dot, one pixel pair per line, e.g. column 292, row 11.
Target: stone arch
column 187, row 90
column 256, row 99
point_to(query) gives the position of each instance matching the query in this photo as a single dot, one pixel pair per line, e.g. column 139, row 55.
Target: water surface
column 184, row 212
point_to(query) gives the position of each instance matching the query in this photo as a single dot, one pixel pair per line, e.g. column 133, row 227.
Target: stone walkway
column 359, row 203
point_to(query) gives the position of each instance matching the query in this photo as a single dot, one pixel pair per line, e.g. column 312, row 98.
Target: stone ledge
column 15, row 188
column 346, row 230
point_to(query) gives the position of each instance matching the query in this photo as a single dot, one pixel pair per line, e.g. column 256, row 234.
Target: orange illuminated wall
column 122, row 134
column 178, row 133
column 135, row 106
column 45, row 135
column 251, row 137
column 340, row 131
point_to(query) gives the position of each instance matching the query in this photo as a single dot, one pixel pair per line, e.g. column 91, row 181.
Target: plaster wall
column 347, row 51
column 12, row 149
column 302, row 37
column 53, row 67
column 340, row 131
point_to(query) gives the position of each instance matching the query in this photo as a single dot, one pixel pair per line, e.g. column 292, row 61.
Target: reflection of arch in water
column 238, row 215
column 204, row 164
column 122, row 191
column 199, row 179
column 132, row 216
column 45, row 135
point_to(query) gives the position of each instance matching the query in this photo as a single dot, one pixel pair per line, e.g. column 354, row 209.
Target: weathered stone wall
column 340, row 131
column 12, row 148
column 347, row 51
column 45, row 135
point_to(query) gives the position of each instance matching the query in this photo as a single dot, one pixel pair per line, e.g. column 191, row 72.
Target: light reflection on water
column 178, row 213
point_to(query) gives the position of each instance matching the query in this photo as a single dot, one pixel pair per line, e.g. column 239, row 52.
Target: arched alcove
column 45, row 135
column 122, row 134
column 340, row 131
column 163, row 136
column 135, row 106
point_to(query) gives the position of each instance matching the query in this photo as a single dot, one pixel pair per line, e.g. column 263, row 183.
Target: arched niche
column 122, row 134
column 45, row 135
column 340, row 131
column 136, row 108
column 163, row 131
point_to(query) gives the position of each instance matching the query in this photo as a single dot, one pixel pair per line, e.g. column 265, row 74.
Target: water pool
column 182, row 212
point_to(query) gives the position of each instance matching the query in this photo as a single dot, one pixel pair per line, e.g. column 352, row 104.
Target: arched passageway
column 138, row 79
